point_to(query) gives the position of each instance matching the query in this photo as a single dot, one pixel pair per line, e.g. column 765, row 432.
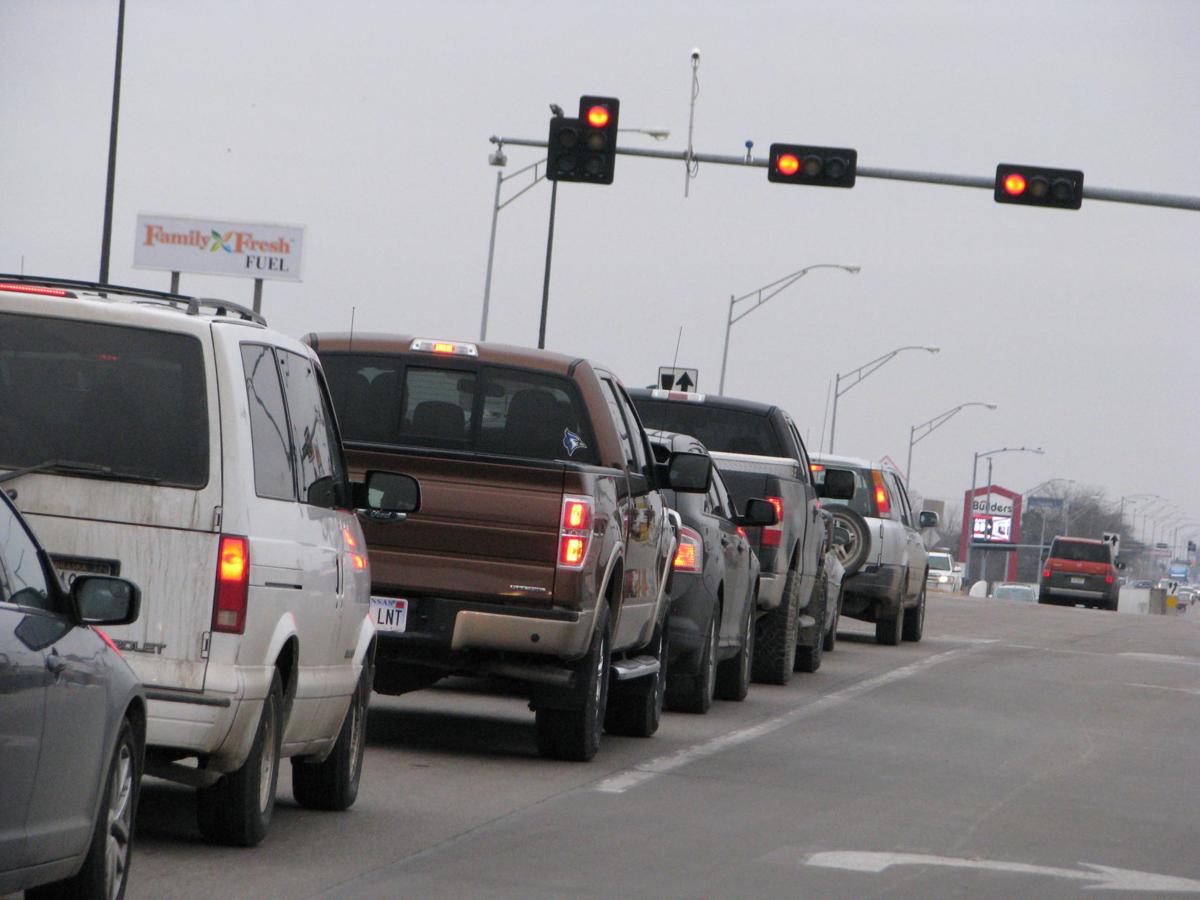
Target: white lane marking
column 1164, row 657
column 961, row 639
column 1105, row 878
column 643, row 772
column 1162, row 687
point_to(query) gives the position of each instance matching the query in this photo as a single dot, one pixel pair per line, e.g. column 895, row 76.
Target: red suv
column 1079, row 570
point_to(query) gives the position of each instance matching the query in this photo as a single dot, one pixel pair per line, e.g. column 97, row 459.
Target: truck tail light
column 881, row 494
column 690, row 555
column 233, row 585
column 1108, row 579
column 1046, row 573
column 772, row 535
column 575, row 532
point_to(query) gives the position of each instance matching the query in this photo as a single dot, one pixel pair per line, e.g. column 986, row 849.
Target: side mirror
column 841, row 536
column 105, row 600
column 839, row 484
column 690, row 473
column 759, row 513
column 928, row 519
column 1120, row 564
column 389, row 493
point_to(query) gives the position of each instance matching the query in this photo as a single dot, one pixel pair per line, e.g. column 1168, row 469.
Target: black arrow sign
column 684, row 383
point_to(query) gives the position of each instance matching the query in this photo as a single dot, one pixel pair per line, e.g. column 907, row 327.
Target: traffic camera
column 818, row 166
column 1039, row 186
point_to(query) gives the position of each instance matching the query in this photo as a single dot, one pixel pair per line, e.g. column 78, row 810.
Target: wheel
column 333, row 782
column 733, row 675
column 853, row 554
column 574, row 734
column 914, row 620
column 694, row 693
column 887, row 631
column 808, row 658
column 105, row 869
column 237, row 809
column 635, row 709
column 831, row 635
column 775, row 637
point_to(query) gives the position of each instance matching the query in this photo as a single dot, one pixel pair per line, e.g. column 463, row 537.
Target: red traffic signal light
column 597, row 115
column 585, row 148
column 818, row 166
column 1039, row 186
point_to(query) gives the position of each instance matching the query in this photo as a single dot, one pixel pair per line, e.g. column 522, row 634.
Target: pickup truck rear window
column 723, row 430
column 129, row 399
column 383, row 399
column 863, row 501
column 1077, row 551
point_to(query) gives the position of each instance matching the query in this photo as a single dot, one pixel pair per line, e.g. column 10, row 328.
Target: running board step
column 638, row 667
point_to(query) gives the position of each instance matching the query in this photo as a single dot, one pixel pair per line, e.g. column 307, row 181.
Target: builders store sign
column 217, row 247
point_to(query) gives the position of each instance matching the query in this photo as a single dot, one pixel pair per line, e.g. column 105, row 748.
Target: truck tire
column 333, row 783
column 808, row 658
column 574, row 734
column 887, row 630
column 733, row 675
column 831, row 635
column 852, row 555
column 775, row 636
column 105, row 869
column 694, row 693
column 914, row 620
column 237, row 809
column 635, row 708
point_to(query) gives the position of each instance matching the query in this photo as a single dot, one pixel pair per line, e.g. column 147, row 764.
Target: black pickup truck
column 760, row 454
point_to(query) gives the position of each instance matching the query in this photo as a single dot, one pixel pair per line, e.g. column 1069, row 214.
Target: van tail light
column 881, row 494
column 233, row 585
column 772, row 535
column 575, row 532
column 1045, row 573
column 690, row 555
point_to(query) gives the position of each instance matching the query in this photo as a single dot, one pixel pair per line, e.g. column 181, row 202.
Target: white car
column 943, row 575
column 184, row 445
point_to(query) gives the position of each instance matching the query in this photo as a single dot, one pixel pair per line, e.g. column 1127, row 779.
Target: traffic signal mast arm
column 986, row 182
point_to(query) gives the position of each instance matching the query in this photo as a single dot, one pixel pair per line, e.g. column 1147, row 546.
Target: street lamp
column 774, row 288
column 933, row 425
column 968, row 513
column 859, row 374
column 499, row 159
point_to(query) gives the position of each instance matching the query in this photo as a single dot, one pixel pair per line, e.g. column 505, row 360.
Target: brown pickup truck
column 542, row 547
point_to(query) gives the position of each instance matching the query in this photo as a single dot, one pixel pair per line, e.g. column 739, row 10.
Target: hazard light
column 34, row 289
column 448, row 348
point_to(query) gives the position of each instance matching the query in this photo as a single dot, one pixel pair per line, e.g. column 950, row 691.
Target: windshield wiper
column 85, row 469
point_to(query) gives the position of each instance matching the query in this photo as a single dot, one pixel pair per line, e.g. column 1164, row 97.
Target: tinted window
column 618, row 420
column 1078, row 551
column 22, row 580
column 863, row 501
column 316, row 449
column 130, row 399
column 722, row 430
column 495, row 409
column 940, row 562
column 273, row 470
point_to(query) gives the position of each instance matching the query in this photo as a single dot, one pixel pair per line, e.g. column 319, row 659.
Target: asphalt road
column 1016, row 751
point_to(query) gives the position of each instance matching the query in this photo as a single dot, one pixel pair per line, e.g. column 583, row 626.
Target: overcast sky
column 367, row 123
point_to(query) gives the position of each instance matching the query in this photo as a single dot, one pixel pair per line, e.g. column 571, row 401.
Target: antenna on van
column 352, row 309
column 678, row 341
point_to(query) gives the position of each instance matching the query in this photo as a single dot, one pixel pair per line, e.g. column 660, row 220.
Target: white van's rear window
column 130, row 400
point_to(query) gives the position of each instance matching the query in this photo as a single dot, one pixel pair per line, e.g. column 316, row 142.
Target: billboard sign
column 995, row 522
column 218, row 247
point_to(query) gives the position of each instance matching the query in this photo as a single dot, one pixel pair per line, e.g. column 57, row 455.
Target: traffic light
column 1039, row 186
column 585, row 148
column 819, row 166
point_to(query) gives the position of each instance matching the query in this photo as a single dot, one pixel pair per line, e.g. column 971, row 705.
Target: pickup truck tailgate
column 486, row 530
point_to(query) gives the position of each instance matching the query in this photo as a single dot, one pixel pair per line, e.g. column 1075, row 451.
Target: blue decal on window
column 572, row 442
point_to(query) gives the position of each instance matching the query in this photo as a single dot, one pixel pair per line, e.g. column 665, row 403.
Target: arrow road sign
column 673, row 379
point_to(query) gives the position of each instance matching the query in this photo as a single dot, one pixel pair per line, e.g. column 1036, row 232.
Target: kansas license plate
column 389, row 613
column 70, row 566
column 1077, row 580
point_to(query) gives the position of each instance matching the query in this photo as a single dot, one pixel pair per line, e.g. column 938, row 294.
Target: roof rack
column 192, row 305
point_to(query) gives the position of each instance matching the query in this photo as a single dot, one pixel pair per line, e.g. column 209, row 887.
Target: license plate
column 70, row 566
column 1077, row 580
column 389, row 613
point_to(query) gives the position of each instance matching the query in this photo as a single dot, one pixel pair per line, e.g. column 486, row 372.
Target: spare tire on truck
column 853, row 554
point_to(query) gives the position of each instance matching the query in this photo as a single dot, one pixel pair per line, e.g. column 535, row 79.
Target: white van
column 184, row 445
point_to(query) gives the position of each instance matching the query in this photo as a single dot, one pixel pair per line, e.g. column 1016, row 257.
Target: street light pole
column 861, row 373
column 762, row 297
column 933, row 425
column 106, row 229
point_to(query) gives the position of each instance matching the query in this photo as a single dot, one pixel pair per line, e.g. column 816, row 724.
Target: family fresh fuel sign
column 217, row 247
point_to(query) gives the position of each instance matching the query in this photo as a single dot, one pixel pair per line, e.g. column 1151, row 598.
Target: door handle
column 55, row 663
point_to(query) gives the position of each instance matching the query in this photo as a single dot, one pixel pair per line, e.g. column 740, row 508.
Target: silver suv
column 183, row 444
column 885, row 558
